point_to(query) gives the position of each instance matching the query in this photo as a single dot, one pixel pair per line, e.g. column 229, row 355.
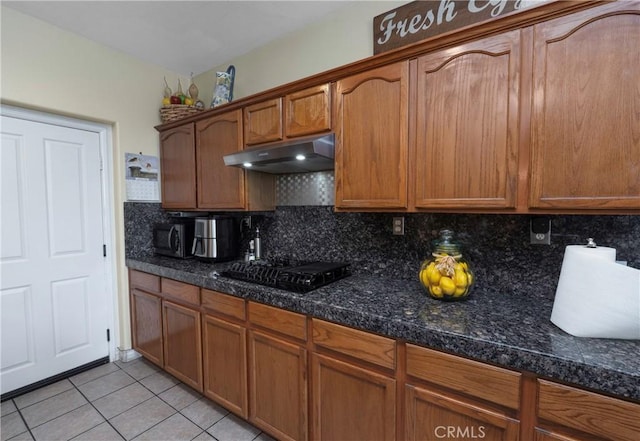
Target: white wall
column 46, row 68
column 340, row 38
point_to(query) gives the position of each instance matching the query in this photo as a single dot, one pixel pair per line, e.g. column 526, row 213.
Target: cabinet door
column 430, row 415
column 178, row 167
column 219, row 186
column 225, row 364
column 351, row 403
column 467, row 130
column 308, row 111
column 263, row 122
column 372, row 138
column 146, row 325
column 182, row 344
column 278, row 386
column 585, row 127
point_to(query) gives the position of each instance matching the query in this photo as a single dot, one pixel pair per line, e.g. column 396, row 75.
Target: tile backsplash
column 496, row 245
column 301, row 189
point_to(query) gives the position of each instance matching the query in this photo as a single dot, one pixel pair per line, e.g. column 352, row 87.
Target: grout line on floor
column 200, row 396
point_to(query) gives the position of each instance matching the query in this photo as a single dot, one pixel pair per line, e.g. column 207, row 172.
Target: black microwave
column 174, row 239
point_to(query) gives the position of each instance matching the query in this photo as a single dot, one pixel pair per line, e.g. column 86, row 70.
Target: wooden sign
column 420, row 20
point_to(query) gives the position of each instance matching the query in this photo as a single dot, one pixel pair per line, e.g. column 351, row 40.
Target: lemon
column 447, row 285
column 459, row 292
column 461, row 279
column 469, row 278
column 424, row 278
column 434, row 276
column 435, row 291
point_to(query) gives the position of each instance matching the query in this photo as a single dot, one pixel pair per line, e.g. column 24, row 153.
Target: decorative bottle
column 446, row 275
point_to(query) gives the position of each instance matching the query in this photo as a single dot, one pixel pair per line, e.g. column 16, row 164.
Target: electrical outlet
column 398, row 226
column 246, row 222
column 540, row 230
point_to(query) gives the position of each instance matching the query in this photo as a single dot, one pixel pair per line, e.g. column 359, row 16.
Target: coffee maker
column 215, row 238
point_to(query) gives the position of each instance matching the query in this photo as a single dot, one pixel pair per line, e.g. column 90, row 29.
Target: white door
column 53, row 295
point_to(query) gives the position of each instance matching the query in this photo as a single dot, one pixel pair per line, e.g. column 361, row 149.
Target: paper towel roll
column 597, row 297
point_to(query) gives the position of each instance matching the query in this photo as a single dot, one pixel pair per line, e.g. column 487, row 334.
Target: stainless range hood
column 296, row 156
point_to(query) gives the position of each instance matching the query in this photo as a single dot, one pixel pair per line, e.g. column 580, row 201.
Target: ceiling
column 182, row 36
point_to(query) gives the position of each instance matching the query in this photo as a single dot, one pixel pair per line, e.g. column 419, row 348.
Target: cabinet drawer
column 359, row 344
column 285, row 322
column 145, row 281
column 181, row 291
column 588, row 412
column 500, row 386
column 224, row 304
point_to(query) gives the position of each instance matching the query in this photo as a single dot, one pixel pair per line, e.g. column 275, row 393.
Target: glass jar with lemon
column 446, row 275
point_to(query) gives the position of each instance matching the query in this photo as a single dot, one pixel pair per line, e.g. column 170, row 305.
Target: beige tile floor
column 121, row 401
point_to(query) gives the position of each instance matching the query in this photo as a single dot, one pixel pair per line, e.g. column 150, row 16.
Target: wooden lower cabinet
column 165, row 332
column 566, row 412
column 224, row 347
column 182, row 344
column 298, row 379
column 146, row 324
column 451, row 397
column 278, row 386
column 350, row 402
column 431, row 415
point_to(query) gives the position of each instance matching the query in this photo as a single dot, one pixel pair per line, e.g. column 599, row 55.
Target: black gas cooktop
column 297, row 277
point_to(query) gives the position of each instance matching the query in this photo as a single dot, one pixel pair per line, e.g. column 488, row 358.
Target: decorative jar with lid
column 446, row 275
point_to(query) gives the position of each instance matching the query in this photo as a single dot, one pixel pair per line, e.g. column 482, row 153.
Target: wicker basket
column 174, row 112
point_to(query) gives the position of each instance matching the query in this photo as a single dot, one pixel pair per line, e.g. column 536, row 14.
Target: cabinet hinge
column 104, row 250
column 108, row 335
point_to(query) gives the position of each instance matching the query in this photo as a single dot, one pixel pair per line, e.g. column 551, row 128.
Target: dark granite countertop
column 494, row 327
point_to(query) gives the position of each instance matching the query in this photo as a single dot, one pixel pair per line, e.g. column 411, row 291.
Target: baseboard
column 126, row 355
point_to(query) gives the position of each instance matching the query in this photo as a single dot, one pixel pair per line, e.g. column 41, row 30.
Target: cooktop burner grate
column 301, row 277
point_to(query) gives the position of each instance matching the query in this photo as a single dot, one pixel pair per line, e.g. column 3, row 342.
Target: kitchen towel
column 597, row 297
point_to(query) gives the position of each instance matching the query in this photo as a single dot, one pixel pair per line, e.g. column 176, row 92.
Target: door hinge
column 104, row 250
column 108, row 335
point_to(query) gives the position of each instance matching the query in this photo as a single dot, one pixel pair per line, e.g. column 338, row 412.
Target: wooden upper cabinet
column 372, row 146
column 585, row 125
column 219, row 186
column 467, row 125
column 178, row 167
column 263, row 122
column 308, row 111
